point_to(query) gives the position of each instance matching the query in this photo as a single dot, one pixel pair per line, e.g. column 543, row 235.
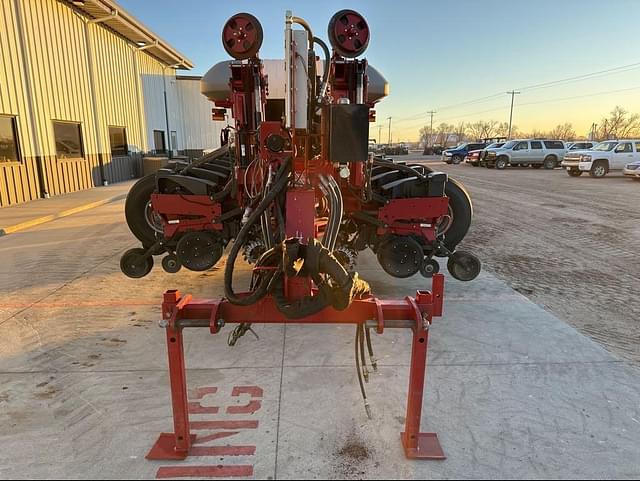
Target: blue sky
column 439, row 53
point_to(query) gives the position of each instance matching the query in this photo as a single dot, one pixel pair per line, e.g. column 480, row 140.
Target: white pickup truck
column 604, row 157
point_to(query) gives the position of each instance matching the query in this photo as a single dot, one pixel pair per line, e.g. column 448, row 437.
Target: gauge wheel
column 141, row 219
column 455, row 225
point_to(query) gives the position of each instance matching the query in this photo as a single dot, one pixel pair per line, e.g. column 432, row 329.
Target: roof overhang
column 113, row 16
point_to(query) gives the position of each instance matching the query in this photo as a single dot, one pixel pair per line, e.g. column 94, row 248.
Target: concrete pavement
column 24, row 216
column 512, row 391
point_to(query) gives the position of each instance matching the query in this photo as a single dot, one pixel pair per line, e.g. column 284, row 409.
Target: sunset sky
column 439, row 54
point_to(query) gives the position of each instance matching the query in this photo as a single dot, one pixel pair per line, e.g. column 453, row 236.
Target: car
column 581, row 145
column 632, row 170
column 603, row 158
column 433, row 150
column 473, row 157
column 394, row 149
column 524, row 152
column 457, row 154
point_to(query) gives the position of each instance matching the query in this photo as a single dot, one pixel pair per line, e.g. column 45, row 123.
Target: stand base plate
column 427, row 447
column 165, row 449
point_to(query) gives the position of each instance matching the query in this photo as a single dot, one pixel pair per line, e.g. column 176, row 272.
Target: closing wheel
column 242, row 36
column 171, row 264
column 135, row 264
column 429, row 267
column 464, row 266
column 349, row 33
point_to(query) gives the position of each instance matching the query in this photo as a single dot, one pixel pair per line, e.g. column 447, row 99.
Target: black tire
column 171, row 264
column 461, row 211
column 134, row 264
column 502, row 163
column 536, row 166
column 599, row 169
column 574, row 172
column 135, row 208
column 464, row 266
column 550, row 162
column 456, row 159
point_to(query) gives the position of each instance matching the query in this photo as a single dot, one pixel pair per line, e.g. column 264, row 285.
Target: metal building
column 85, row 91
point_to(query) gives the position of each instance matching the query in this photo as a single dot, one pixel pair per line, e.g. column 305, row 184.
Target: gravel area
column 572, row 245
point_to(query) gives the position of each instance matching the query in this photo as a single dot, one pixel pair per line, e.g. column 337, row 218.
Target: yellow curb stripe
column 48, row 218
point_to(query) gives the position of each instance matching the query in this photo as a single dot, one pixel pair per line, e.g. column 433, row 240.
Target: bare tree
column 444, row 132
column 483, row 129
column 461, row 131
column 563, row 132
column 619, row 125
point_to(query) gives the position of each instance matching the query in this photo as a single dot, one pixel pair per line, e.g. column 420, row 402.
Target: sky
column 437, row 54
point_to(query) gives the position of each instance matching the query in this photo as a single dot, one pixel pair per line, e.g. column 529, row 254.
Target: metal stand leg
column 176, row 445
column 418, row 445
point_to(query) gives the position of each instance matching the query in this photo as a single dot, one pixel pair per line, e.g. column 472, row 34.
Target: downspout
column 166, row 106
column 40, row 169
column 92, row 89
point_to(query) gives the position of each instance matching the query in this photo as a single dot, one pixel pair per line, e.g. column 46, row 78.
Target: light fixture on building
column 141, row 43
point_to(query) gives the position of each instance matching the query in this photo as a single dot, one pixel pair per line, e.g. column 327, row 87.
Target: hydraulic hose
column 263, row 285
column 327, row 64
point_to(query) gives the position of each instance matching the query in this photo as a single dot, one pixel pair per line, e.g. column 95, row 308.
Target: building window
column 159, row 145
column 68, row 137
column 118, row 140
column 8, row 140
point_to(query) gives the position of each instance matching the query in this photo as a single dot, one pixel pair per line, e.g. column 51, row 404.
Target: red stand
column 415, row 313
column 412, row 312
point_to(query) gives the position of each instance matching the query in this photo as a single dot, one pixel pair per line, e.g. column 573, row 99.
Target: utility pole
column 389, row 137
column 513, row 93
column 379, row 134
column 431, row 112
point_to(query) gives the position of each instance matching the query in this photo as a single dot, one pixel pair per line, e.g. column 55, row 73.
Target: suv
column 606, row 156
column 457, row 154
column 534, row 152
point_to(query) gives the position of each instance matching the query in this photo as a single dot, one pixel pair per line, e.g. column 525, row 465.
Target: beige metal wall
column 44, row 60
column 198, row 131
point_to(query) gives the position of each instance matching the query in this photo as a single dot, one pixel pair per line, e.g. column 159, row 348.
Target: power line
column 600, row 73
column 580, row 96
column 560, row 99
column 552, row 83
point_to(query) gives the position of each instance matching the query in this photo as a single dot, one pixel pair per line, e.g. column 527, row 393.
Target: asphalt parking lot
column 571, row 245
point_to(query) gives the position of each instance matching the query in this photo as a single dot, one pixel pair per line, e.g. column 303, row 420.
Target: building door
column 159, row 145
